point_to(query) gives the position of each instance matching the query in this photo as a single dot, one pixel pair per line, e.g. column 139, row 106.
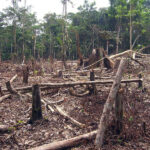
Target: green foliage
column 19, row 28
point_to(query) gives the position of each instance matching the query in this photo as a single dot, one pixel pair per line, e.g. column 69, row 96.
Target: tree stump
column 140, row 82
column 119, row 110
column 1, row 91
column 25, row 74
column 92, row 89
column 36, row 104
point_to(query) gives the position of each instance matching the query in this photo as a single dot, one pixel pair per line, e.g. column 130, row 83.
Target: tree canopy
column 125, row 24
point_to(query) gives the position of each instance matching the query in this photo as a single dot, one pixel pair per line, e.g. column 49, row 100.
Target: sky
column 41, row 7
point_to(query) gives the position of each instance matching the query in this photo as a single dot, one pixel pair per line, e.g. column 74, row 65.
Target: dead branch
column 140, row 50
column 4, row 97
column 69, row 117
column 93, row 64
column 13, row 78
column 108, row 105
column 67, row 143
column 137, row 61
column 73, row 93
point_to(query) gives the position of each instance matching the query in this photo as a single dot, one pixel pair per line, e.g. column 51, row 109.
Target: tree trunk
column 78, row 48
column 34, row 46
column 119, row 110
column 14, row 37
column 117, row 40
column 107, row 47
column 36, row 104
column 130, row 25
column 108, row 105
column 25, row 74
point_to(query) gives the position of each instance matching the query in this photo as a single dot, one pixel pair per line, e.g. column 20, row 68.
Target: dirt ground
column 16, row 112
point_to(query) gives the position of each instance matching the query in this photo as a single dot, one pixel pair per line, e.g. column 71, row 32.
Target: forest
column 124, row 25
column 75, row 81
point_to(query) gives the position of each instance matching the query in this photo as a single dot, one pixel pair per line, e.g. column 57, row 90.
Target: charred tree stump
column 25, row 74
column 36, row 104
column 140, row 81
column 10, row 88
column 92, row 89
column 1, row 91
column 119, row 111
column 109, row 105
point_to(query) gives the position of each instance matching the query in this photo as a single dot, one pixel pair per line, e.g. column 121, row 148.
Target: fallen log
column 109, row 105
column 67, row 143
column 123, row 54
column 70, row 84
column 45, row 86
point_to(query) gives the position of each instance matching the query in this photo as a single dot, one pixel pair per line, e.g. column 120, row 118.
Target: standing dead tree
column 109, row 105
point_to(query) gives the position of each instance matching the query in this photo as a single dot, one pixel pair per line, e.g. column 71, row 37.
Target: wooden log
column 36, row 104
column 70, row 84
column 67, row 143
column 45, row 86
column 123, row 54
column 119, row 110
column 4, row 97
column 109, row 105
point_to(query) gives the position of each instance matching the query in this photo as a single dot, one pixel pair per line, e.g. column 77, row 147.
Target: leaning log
column 67, row 143
column 109, row 105
column 123, row 54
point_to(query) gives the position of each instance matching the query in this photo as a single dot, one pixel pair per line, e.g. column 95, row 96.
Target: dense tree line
column 125, row 24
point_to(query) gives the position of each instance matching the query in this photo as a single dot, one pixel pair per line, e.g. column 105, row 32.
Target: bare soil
column 15, row 112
